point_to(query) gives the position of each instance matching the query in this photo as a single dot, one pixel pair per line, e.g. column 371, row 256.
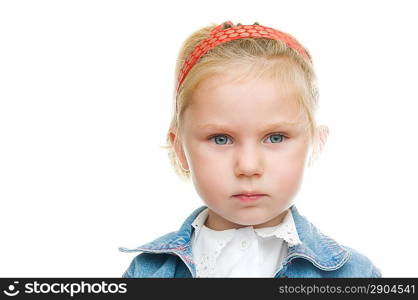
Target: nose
column 248, row 161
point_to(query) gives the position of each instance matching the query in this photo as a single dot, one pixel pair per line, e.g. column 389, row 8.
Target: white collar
column 286, row 230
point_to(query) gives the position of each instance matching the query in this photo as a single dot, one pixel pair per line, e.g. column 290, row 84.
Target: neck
column 216, row 222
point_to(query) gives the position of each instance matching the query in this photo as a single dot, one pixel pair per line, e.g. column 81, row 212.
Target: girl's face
column 233, row 144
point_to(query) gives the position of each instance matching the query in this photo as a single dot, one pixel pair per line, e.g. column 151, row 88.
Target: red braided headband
column 219, row 35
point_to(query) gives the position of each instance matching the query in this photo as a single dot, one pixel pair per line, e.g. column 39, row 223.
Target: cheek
column 209, row 173
column 206, row 160
column 287, row 169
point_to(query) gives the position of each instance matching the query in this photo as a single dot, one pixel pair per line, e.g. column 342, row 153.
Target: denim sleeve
column 376, row 273
column 145, row 265
column 130, row 271
column 126, row 274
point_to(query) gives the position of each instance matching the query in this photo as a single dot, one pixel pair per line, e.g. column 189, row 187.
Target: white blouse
column 243, row 252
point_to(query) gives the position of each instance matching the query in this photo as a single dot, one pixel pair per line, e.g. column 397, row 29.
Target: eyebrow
column 221, row 127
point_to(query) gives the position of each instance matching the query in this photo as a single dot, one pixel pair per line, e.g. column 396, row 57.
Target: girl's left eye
column 221, row 139
column 277, row 137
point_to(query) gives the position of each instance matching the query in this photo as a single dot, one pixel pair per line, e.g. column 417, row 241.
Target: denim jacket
column 318, row 255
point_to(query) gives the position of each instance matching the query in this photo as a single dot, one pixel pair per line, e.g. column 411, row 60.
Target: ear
column 319, row 140
column 178, row 148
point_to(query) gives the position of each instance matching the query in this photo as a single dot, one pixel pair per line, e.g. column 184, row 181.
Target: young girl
column 242, row 128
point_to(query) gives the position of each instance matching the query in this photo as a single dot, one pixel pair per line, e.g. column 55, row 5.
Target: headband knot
column 226, row 26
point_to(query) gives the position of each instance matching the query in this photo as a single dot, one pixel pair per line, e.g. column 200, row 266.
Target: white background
column 85, row 101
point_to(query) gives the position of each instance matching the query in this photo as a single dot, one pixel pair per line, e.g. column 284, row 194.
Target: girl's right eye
column 220, row 139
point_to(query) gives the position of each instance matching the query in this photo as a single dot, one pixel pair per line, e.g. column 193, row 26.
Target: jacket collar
column 322, row 251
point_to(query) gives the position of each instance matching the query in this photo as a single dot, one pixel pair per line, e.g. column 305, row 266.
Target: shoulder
column 152, row 257
column 359, row 265
column 328, row 257
column 164, row 256
column 145, row 265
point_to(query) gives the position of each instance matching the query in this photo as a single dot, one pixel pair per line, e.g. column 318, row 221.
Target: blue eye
column 220, row 138
column 274, row 138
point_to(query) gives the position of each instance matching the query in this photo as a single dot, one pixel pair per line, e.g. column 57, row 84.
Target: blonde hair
column 259, row 56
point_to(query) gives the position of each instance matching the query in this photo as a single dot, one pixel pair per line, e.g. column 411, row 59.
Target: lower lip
column 248, row 198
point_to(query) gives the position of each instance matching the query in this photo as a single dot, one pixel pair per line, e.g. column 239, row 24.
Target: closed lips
column 249, row 195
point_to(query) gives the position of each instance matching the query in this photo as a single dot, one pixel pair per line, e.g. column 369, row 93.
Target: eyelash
column 284, row 138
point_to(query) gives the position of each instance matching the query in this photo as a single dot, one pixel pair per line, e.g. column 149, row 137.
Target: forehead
column 250, row 100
